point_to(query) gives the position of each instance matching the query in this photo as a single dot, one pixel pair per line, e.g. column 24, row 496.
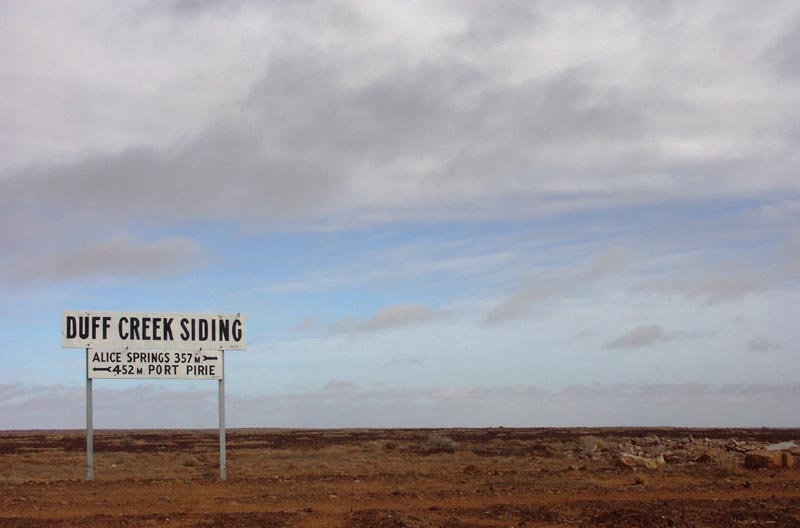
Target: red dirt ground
column 394, row 478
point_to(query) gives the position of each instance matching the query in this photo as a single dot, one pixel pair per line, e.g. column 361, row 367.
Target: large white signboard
column 136, row 345
column 115, row 331
column 154, row 364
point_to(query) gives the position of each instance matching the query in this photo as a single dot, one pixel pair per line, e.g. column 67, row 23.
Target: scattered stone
column 671, row 457
column 743, row 447
column 761, row 459
column 635, row 461
column 768, row 459
column 471, row 470
column 783, row 446
column 707, row 457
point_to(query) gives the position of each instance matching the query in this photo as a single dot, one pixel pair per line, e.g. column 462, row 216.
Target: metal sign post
column 222, row 462
column 89, row 425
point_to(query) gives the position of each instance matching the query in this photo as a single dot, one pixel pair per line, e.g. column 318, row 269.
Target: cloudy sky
column 432, row 213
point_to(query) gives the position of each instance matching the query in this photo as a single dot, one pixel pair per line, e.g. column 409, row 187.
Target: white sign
column 141, row 364
column 113, row 331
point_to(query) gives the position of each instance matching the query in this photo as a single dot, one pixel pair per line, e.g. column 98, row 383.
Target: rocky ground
column 405, row 478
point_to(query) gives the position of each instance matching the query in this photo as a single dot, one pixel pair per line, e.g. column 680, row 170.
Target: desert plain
column 393, row 478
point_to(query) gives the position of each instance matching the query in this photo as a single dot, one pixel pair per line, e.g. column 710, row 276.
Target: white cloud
column 100, row 77
column 308, row 324
column 520, row 303
column 495, row 161
column 792, row 252
column 389, row 317
column 382, row 118
column 396, row 362
column 611, row 261
column 119, row 257
column 786, row 210
column 640, row 337
column 711, row 288
column 432, row 259
column 762, row 344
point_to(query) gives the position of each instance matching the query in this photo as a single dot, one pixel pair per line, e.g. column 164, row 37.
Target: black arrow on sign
column 206, row 358
column 107, row 369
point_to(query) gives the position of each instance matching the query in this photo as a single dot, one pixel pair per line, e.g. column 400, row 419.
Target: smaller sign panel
column 151, row 364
